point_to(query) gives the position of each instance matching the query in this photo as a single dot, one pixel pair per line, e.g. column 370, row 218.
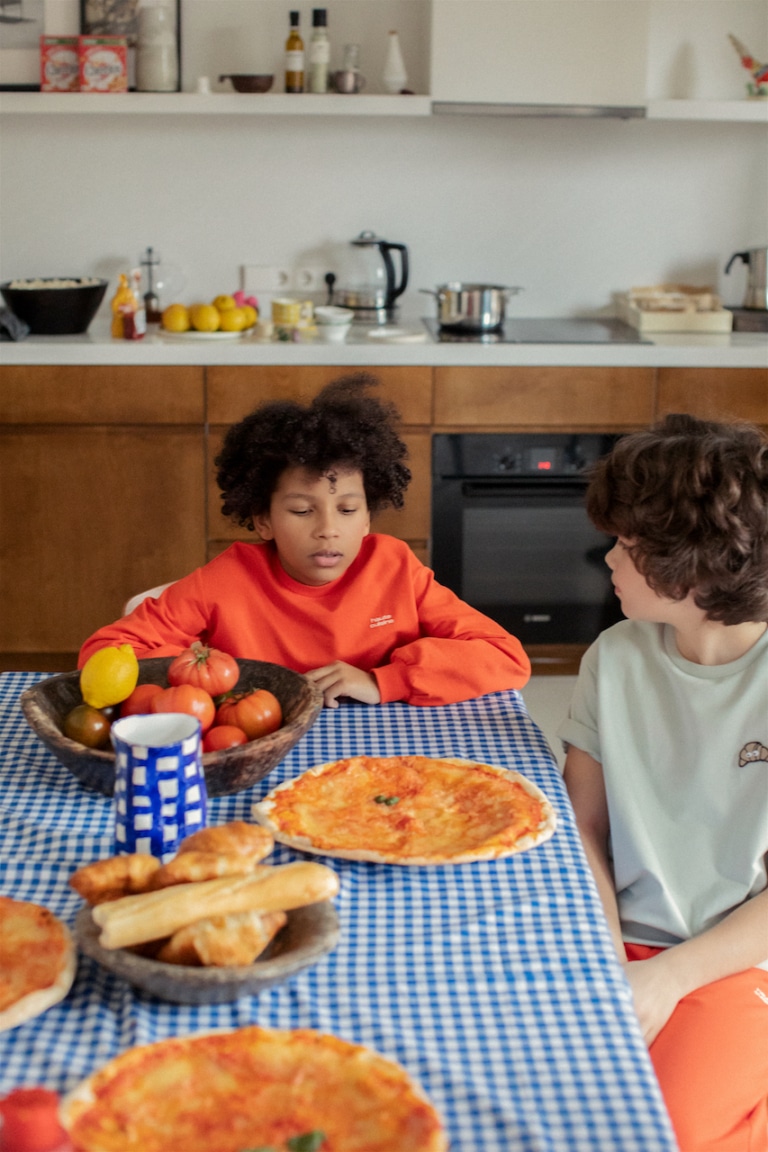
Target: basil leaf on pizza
column 408, row 810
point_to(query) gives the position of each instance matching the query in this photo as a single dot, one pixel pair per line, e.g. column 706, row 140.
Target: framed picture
column 119, row 18
column 22, row 23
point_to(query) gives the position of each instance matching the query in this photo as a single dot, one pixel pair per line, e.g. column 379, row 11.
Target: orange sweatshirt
column 386, row 615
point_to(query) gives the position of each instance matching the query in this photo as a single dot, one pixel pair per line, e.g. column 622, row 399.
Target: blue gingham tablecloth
column 494, row 984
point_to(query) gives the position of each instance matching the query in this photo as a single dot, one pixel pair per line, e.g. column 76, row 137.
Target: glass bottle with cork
column 319, row 52
column 294, row 57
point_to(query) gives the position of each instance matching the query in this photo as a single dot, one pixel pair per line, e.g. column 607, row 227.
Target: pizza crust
column 53, row 936
column 265, row 813
column 264, row 1081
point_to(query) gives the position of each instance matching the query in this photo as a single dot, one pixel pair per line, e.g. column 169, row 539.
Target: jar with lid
column 157, row 47
column 319, row 52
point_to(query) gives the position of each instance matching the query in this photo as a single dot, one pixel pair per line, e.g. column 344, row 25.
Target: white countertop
column 736, row 350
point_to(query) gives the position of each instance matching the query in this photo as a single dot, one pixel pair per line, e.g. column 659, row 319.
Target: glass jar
column 157, row 53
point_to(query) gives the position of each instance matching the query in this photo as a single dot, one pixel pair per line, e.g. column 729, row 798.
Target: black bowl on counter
column 45, row 705
column 52, row 310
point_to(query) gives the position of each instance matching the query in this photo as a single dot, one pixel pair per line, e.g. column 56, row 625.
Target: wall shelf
column 735, row 111
column 221, row 104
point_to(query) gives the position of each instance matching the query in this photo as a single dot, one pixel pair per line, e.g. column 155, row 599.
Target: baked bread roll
column 115, row 877
column 223, row 941
column 192, row 867
column 234, row 839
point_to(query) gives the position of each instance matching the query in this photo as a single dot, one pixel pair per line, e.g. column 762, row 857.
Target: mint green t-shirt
column 684, row 751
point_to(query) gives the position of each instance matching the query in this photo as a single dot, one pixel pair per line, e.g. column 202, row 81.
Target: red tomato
column 207, row 668
column 185, row 698
column 223, row 736
column 87, row 726
column 139, row 701
column 257, row 712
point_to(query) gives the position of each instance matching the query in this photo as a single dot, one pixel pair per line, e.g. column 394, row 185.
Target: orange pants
column 711, row 1060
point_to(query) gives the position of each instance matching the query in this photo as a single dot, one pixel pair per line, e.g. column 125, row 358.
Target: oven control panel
column 520, row 454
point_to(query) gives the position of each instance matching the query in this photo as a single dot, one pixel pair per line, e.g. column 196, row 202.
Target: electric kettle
column 368, row 281
column 756, row 260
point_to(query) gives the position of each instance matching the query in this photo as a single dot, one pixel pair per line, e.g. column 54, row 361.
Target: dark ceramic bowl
column 46, row 704
column 55, row 311
column 310, row 932
column 243, row 82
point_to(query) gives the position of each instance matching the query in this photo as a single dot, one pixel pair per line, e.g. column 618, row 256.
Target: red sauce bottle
column 30, row 1122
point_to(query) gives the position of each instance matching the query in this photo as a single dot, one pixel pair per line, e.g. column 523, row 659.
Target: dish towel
column 11, row 328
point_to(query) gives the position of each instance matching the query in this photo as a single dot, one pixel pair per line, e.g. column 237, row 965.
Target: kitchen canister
column 157, row 49
column 160, row 795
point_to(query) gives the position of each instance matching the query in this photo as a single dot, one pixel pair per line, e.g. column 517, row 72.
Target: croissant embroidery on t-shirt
column 752, row 752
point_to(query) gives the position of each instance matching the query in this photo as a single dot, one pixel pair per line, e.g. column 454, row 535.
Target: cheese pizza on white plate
column 408, row 810
column 38, row 961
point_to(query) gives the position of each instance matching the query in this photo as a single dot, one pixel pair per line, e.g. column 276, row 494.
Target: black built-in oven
column 510, row 534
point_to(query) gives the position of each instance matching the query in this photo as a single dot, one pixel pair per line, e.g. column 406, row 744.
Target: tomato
column 223, row 736
column 138, row 703
column 257, row 712
column 185, row 698
column 87, row 725
column 207, row 668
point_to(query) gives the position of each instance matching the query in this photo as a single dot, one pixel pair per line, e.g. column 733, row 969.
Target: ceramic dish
column 329, row 314
column 310, row 933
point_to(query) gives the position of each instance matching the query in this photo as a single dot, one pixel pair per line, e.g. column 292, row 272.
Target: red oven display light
column 544, row 465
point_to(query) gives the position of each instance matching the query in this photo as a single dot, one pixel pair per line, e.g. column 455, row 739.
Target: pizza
column 252, row 1088
column 38, row 961
column 408, row 810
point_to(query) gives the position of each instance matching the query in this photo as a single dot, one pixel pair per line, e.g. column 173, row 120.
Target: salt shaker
column 157, row 55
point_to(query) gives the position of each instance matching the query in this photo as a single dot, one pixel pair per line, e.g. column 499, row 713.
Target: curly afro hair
column 691, row 497
column 342, row 427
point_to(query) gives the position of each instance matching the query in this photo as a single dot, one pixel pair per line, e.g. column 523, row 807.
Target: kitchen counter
column 736, row 350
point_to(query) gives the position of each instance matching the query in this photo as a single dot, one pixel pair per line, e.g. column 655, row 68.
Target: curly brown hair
column 691, row 498
column 342, row 427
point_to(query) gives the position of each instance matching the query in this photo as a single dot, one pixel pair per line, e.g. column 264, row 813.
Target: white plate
column 398, row 335
column 203, row 335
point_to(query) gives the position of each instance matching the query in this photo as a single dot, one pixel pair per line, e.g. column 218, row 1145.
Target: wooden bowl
column 46, row 704
column 309, row 933
column 245, row 82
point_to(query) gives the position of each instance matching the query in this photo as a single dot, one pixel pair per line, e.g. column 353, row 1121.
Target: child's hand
column 656, row 992
column 340, row 679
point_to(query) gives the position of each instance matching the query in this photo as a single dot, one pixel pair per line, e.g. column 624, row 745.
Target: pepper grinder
column 151, row 302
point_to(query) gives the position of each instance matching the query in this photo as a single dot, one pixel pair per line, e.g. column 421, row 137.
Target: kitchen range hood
column 461, row 108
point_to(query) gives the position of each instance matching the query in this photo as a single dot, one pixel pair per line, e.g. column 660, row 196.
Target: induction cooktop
column 544, row 330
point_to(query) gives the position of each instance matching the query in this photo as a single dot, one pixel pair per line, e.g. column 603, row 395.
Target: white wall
column 570, row 210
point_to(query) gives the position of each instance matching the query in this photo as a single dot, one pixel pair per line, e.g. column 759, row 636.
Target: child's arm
column 584, row 780
column 737, row 942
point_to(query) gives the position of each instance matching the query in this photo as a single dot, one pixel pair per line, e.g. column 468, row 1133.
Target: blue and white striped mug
column 160, row 795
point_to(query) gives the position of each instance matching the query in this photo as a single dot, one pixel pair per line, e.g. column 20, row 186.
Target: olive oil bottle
column 294, row 57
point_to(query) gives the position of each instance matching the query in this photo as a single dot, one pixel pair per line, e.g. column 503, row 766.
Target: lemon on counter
column 224, row 303
column 109, row 676
column 205, row 318
column 175, row 318
column 251, row 315
column 233, row 320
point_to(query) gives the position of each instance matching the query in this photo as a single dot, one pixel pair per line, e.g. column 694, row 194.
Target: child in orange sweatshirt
column 356, row 612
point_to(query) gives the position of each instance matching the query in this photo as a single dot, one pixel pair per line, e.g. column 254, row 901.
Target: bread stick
column 153, row 915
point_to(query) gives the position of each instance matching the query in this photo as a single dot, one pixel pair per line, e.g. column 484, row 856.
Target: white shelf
column 280, row 104
column 744, row 111
column 221, row 104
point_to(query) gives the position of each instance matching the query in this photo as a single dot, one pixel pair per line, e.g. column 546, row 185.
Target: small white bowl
column 333, row 333
column 329, row 314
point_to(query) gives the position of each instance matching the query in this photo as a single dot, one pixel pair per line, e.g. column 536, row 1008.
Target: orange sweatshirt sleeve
column 460, row 654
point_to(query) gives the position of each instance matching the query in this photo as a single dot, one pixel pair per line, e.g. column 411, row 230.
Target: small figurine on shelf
column 758, row 85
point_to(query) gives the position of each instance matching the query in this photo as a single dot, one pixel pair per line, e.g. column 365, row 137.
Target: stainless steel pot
column 471, row 307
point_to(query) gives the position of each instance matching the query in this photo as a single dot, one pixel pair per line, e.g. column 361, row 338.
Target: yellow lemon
column 175, row 318
column 233, row 320
column 204, row 317
column 251, row 315
column 109, row 676
column 225, row 303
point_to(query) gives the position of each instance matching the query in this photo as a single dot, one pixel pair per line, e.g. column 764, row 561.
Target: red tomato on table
column 139, row 701
column 223, row 736
column 217, row 672
column 258, row 712
column 185, row 698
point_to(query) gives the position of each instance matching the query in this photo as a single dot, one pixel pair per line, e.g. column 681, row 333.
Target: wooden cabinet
column 233, row 392
column 103, row 495
column 715, row 393
column 526, row 399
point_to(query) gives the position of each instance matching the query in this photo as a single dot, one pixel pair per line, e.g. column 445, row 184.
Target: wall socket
column 265, row 278
column 272, row 278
